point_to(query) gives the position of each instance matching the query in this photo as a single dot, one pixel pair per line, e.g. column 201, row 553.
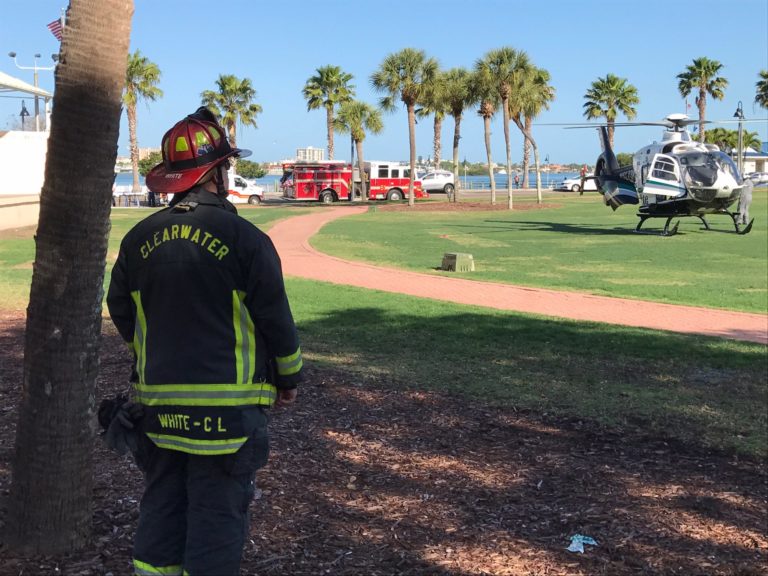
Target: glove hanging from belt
column 118, row 417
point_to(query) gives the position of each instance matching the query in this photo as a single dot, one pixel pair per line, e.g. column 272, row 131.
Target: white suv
column 438, row 181
column 574, row 184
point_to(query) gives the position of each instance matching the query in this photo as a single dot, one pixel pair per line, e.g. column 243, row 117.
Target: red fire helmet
column 190, row 150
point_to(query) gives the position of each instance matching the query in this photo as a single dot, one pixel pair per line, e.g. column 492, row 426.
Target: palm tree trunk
column 49, row 505
column 131, row 113
column 526, row 162
column 329, row 129
column 529, row 138
column 701, row 102
column 527, row 123
column 505, row 116
column 610, row 132
column 412, row 144
column 517, row 119
column 232, row 131
column 438, row 129
column 456, row 138
column 487, row 127
column 530, row 142
column 361, row 170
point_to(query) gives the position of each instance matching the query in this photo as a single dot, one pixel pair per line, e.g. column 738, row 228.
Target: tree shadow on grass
column 512, row 225
column 405, row 482
column 370, row 475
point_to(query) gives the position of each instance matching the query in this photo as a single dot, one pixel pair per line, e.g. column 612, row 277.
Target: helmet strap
column 220, row 188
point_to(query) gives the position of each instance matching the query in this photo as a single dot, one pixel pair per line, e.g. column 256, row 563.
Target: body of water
column 126, row 179
column 548, row 180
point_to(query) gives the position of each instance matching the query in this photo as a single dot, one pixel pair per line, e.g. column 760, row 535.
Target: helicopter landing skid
column 739, row 230
column 667, row 231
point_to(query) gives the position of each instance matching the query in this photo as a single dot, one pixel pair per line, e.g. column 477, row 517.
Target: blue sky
column 279, row 45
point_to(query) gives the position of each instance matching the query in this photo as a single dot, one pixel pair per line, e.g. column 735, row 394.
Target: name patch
column 186, row 422
column 187, row 232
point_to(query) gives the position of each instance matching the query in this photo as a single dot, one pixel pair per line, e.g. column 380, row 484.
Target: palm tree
column 357, row 118
column 49, row 506
column 329, row 88
column 232, row 103
column 505, row 66
column 728, row 140
column 702, row 74
column 141, row 79
column 533, row 95
column 761, row 96
column 406, row 75
column 435, row 104
column 607, row 97
column 457, row 96
column 483, row 90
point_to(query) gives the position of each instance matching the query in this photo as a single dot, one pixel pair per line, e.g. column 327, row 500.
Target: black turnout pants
column 194, row 512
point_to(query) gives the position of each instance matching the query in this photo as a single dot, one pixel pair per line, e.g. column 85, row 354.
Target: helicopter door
column 664, row 178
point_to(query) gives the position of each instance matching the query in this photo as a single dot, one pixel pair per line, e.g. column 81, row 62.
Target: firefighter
column 197, row 293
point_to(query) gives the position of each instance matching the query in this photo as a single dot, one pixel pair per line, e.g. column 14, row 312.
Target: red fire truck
column 329, row 181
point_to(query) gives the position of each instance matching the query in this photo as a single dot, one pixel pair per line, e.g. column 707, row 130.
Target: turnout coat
column 197, row 292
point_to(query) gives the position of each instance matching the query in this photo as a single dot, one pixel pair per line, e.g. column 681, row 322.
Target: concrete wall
column 22, row 162
column 19, row 211
column 22, row 171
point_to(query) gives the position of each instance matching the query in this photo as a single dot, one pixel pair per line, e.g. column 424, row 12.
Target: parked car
column 438, row 181
column 574, row 184
column 758, row 178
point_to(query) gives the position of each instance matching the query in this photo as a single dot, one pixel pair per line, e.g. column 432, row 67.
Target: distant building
column 755, row 161
column 310, row 154
column 145, row 152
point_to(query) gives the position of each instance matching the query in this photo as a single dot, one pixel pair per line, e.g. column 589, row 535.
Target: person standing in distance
column 745, row 199
column 197, row 292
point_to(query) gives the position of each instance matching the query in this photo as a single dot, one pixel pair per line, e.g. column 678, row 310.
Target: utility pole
column 35, row 68
column 740, row 159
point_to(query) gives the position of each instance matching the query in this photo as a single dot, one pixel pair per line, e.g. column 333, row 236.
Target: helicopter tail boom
column 617, row 190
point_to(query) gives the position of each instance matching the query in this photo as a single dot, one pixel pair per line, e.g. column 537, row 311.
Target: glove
column 119, row 416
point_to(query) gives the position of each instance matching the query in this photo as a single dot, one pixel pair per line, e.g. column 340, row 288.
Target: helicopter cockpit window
column 693, row 159
column 664, row 169
column 727, row 164
column 700, row 168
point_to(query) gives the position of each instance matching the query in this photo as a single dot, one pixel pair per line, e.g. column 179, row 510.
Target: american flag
column 55, row 28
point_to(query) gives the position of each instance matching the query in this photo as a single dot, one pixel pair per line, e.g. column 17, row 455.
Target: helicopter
column 674, row 178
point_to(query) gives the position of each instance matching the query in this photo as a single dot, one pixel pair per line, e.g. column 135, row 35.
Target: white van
column 242, row 191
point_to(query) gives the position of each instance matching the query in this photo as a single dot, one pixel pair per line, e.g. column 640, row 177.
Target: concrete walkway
column 291, row 237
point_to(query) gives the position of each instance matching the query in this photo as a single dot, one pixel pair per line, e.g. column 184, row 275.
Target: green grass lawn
column 578, row 245
column 17, row 248
column 704, row 391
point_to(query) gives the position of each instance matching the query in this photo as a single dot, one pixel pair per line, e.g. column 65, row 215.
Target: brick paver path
column 300, row 259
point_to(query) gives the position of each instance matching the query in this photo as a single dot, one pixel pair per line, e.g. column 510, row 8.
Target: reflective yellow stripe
column 140, row 336
column 245, row 340
column 201, row 138
column 287, row 365
column 200, row 447
column 259, row 393
column 142, row 568
column 181, row 144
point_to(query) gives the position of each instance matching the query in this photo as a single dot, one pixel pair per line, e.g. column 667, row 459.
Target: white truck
column 242, row 191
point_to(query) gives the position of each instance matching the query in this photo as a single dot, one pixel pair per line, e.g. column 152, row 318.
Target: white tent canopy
column 11, row 84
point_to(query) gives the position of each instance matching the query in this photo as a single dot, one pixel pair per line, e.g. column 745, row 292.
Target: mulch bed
column 369, row 480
